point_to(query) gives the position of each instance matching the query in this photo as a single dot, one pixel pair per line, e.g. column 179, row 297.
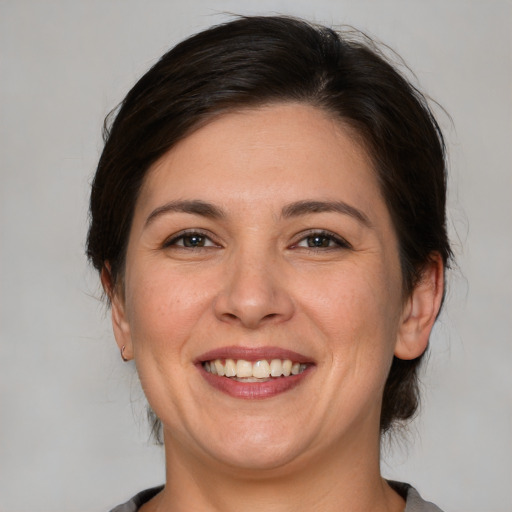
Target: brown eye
column 323, row 240
column 318, row 241
column 192, row 240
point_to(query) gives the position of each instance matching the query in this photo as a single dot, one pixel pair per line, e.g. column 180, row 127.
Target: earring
column 122, row 354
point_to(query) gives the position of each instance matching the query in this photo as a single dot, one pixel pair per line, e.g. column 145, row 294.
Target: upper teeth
column 261, row 369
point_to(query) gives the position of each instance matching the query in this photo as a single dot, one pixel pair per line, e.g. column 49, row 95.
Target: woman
column 268, row 219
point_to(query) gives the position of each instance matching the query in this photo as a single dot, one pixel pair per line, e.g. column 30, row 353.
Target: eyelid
column 341, row 242
column 171, row 240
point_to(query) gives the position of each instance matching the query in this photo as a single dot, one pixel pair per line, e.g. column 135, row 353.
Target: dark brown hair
column 254, row 61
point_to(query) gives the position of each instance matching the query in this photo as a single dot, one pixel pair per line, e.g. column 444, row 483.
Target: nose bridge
column 254, row 289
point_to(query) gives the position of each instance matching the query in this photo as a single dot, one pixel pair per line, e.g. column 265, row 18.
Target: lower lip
column 253, row 390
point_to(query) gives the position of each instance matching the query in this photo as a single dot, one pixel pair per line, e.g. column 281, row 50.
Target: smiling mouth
column 262, row 370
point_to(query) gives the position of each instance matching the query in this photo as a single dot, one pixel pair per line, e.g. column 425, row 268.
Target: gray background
column 72, row 432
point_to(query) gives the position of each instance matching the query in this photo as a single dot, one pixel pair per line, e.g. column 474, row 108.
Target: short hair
column 260, row 60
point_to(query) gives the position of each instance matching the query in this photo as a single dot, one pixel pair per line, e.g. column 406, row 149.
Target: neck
column 343, row 479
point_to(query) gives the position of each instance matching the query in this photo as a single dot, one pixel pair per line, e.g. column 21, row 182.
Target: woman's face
column 261, row 241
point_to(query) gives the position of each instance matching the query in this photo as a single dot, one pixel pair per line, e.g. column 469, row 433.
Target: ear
column 420, row 311
column 120, row 324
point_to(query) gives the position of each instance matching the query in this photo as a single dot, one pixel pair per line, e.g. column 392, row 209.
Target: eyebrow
column 296, row 209
column 195, row 207
column 307, row 207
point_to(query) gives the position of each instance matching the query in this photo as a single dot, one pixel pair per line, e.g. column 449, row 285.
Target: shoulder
column 414, row 502
column 138, row 500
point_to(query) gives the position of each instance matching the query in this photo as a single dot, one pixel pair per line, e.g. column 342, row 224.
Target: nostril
column 250, row 303
column 248, row 320
column 230, row 316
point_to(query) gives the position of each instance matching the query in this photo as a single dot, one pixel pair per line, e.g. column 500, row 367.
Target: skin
column 255, row 282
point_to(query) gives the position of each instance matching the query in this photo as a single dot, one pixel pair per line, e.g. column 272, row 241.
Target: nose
column 253, row 293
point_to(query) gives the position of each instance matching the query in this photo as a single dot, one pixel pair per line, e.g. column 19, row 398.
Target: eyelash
column 189, row 234
column 340, row 243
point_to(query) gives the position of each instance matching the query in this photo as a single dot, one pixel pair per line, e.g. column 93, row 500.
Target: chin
column 258, row 459
column 259, row 447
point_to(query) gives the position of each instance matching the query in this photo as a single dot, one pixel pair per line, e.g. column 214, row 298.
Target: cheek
column 355, row 296
column 164, row 306
column 358, row 311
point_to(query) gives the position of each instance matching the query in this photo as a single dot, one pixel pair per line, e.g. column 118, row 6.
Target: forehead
column 279, row 152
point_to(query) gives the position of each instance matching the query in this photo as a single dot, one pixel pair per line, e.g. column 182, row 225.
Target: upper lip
column 253, row 354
